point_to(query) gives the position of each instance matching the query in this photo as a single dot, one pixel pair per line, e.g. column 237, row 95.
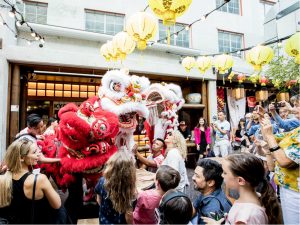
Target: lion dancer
column 164, row 101
column 123, row 95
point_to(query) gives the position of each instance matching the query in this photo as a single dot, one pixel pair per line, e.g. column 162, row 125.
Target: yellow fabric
column 289, row 142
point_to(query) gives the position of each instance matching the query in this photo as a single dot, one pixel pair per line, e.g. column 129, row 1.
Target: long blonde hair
column 12, row 160
column 180, row 143
column 120, row 178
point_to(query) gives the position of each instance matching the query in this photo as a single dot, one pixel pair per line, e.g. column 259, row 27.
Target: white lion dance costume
column 124, row 96
column 164, row 101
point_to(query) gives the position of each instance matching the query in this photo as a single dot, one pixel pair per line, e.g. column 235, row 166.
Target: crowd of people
column 258, row 161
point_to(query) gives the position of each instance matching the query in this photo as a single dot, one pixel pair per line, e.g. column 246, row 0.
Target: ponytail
column 270, row 202
column 5, row 189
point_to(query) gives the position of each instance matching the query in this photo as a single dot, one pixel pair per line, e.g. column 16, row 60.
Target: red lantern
column 241, row 78
column 263, row 81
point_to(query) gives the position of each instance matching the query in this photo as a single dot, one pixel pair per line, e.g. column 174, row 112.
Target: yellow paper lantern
column 259, row 56
column 223, row 63
column 104, row 52
column 169, row 10
column 124, row 44
column 203, row 63
column 112, row 51
column 292, row 47
column 188, row 63
column 141, row 26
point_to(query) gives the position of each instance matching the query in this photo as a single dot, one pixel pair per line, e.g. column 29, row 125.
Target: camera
column 216, row 215
column 279, row 104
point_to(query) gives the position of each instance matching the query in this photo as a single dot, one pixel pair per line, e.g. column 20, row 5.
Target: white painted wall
column 282, row 27
column 68, row 44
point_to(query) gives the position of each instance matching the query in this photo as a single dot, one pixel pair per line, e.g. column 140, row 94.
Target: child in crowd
column 244, row 173
column 116, row 191
column 175, row 208
column 166, row 178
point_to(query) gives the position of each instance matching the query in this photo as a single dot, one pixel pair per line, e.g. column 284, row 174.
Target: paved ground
column 190, row 190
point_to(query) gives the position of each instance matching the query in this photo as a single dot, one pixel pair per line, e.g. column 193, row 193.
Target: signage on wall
column 14, row 108
column 59, row 105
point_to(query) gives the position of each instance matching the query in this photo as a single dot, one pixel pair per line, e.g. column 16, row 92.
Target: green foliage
column 282, row 69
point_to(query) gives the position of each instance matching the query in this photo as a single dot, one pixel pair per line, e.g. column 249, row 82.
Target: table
column 144, row 179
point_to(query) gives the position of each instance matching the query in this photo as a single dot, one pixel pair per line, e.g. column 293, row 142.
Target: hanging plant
column 282, row 70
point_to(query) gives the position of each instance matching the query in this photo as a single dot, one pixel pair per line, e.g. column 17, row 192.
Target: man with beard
column 212, row 201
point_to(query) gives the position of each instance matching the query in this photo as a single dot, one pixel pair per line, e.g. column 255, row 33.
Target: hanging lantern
column 203, row 63
column 124, row 44
column 169, row 10
column 292, row 47
column 112, row 51
column 283, row 96
column 241, row 78
column 238, row 92
column 259, row 56
column 276, row 83
column 188, row 63
column 104, row 52
column 230, row 76
column 263, row 81
column 223, row 63
column 254, row 79
column 141, row 26
column 262, row 95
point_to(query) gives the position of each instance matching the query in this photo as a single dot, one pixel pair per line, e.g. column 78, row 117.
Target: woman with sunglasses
column 17, row 186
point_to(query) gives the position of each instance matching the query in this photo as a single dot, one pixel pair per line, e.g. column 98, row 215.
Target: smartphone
column 260, row 111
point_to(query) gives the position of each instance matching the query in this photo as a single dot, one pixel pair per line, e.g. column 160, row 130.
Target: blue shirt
column 288, row 124
column 107, row 214
column 256, row 129
column 206, row 204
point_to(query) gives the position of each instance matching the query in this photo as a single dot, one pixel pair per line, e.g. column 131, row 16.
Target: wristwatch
column 274, row 148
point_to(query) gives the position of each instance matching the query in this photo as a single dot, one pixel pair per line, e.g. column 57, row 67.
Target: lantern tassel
column 168, row 36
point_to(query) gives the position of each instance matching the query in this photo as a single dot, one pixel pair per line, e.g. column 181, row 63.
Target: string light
column 14, row 13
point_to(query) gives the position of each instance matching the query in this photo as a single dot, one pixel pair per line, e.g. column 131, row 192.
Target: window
column 229, row 42
column 103, row 22
column 231, row 7
column 33, row 12
column 182, row 38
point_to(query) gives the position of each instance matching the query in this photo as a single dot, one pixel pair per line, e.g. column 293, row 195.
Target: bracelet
column 274, row 148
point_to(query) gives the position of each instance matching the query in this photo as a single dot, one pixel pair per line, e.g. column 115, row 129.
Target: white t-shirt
column 174, row 160
column 224, row 125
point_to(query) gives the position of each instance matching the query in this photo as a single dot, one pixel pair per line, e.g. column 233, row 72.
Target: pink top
column 247, row 213
column 197, row 134
column 144, row 212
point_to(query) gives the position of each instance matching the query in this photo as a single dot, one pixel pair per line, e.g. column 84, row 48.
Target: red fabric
column 251, row 101
column 220, row 99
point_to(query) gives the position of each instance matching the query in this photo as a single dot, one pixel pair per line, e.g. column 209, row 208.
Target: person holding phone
column 221, row 128
column 286, row 124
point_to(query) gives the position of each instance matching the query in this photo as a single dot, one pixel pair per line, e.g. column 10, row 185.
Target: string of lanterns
column 257, row 57
column 142, row 27
column 19, row 22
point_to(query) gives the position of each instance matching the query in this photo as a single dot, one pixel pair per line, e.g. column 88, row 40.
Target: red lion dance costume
column 83, row 142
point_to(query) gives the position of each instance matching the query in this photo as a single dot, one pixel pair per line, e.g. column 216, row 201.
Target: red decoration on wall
column 220, row 98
